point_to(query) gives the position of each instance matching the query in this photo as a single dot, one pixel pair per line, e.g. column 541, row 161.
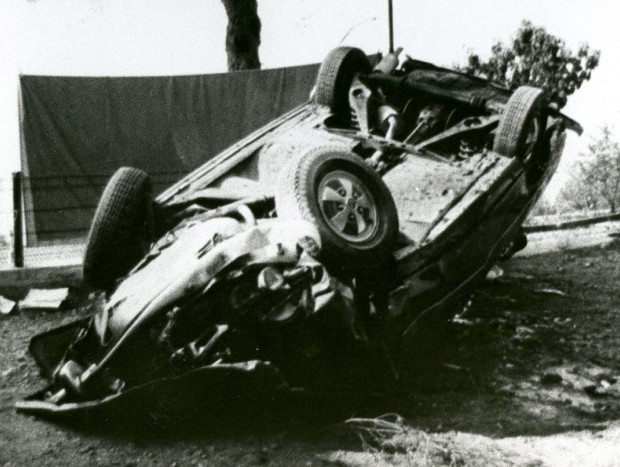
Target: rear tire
column 336, row 75
column 521, row 128
column 122, row 229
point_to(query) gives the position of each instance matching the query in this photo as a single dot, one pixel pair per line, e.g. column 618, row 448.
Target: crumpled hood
column 187, row 263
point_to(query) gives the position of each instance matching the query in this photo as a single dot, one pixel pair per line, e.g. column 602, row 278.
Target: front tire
column 122, row 228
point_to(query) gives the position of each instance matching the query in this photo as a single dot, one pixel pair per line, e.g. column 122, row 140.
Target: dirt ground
column 530, row 375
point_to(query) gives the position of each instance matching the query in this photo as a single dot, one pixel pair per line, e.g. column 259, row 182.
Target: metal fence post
column 18, row 216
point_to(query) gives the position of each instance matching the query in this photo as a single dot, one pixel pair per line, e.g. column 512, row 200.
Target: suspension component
column 468, row 148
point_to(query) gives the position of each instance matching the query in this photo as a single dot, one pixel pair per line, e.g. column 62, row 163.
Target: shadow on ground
column 536, row 354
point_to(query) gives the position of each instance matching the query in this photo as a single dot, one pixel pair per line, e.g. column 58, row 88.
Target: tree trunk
column 242, row 34
column 613, row 196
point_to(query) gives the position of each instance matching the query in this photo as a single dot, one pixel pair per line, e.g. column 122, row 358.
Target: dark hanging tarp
column 77, row 131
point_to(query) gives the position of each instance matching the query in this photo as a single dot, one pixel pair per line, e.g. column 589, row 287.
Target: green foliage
column 537, row 58
column 544, row 207
column 596, row 181
column 577, row 196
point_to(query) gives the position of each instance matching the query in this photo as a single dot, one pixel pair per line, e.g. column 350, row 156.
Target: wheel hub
column 347, row 206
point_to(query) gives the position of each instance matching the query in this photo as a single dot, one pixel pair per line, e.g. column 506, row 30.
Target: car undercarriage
column 397, row 188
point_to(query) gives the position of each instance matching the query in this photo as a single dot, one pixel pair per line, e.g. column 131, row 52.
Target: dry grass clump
column 393, row 441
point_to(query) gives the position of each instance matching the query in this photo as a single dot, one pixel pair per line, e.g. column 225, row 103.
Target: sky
column 172, row 37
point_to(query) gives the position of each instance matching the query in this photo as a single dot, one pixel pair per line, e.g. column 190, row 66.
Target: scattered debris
column 523, row 334
column 462, row 321
column 524, row 330
column 6, row 306
column 557, row 292
column 605, row 387
column 559, row 320
column 495, row 273
column 605, row 384
column 592, row 390
column 86, row 449
column 44, row 299
column 451, row 366
column 580, row 385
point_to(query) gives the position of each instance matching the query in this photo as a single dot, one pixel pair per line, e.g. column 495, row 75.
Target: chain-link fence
column 45, row 220
column 6, row 221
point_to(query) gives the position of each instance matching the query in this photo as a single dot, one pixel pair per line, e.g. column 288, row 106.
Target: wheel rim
column 347, row 206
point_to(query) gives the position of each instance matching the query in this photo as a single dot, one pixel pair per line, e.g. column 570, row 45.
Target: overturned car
column 308, row 253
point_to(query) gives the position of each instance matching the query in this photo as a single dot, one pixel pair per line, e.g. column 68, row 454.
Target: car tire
column 347, row 201
column 336, row 75
column 521, row 129
column 121, row 230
